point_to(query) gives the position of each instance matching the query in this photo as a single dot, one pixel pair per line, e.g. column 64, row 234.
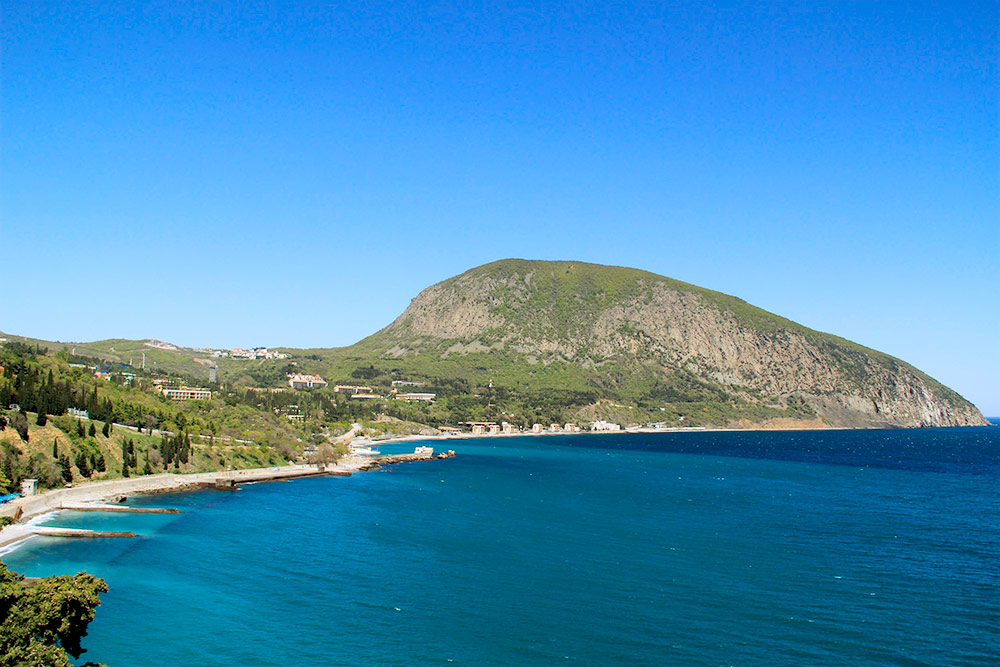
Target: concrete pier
column 79, row 532
column 389, row 459
column 120, row 508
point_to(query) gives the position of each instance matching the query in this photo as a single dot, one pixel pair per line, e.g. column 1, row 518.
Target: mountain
column 635, row 340
column 544, row 342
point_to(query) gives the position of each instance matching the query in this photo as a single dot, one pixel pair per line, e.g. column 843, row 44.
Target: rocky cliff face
column 603, row 319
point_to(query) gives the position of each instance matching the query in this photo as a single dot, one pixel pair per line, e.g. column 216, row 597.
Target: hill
column 626, row 338
column 540, row 342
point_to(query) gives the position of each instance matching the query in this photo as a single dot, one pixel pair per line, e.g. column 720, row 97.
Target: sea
column 698, row 548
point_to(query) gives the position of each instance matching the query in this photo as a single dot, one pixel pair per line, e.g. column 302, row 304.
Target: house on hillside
column 302, row 381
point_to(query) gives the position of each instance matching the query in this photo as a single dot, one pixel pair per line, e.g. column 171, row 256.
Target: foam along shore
column 91, row 493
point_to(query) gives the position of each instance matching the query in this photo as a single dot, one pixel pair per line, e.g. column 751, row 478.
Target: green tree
column 55, row 448
column 42, row 418
column 106, row 430
column 67, row 471
column 93, row 430
column 21, row 425
column 41, row 624
column 82, row 465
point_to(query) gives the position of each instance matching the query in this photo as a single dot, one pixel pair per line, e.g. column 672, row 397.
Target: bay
column 756, row 548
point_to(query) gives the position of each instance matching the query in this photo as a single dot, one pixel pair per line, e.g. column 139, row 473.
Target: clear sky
column 234, row 174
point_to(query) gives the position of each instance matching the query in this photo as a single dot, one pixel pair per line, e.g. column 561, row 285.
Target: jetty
column 79, row 532
column 119, row 508
column 422, row 454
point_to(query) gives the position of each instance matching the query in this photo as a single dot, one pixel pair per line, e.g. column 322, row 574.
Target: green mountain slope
column 626, row 336
column 537, row 341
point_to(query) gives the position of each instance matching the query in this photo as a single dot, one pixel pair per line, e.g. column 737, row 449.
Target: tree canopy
column 41, row 625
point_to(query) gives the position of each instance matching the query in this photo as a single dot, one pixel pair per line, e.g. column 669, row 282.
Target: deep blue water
column 831, row 548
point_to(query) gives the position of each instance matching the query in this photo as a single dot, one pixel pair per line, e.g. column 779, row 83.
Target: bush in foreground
column 41, row 625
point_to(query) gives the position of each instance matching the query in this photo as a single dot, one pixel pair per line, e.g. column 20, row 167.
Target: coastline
column 393, row 440
column 41, row 504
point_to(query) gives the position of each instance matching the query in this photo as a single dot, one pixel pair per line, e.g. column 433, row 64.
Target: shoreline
column 53, row 500
column 393, row 440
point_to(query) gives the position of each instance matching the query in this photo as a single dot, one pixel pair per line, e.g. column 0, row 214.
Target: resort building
column 423, row 451
column 537, row 428
column 480, row 427
column 29, row 487
column 416, row 397
column 494, row 429
column 571, row 428
column 352, row 389
column 301, row 381
column 509, row 428
column 185, row 393
column 554, row 428
column 601, row 425
column 365, row 397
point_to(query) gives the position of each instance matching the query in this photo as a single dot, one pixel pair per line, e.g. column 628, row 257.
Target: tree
column 93, row 430
column 324, row 455
column 55, row 448
column 67, row 471
column 106, row 430
column 21, row 425
column 41, row 624
column 42, row 418
column 82, row 465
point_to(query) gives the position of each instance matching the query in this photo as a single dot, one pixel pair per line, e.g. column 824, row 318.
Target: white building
column 185, row 393
column 428, row 398
column 302, row 381
column 601, row 425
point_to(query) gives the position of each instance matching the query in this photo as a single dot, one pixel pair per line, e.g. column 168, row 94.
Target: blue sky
column 294, row 173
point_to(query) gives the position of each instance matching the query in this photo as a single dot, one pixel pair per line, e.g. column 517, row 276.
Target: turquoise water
column 835, row 548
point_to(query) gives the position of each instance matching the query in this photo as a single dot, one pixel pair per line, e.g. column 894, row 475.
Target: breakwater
column 389, row 459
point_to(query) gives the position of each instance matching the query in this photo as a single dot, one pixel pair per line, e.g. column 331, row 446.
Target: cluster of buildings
column 160, row 345
column 252, row 354
column 492, row 428
column 107, row 373
column 363, row 392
